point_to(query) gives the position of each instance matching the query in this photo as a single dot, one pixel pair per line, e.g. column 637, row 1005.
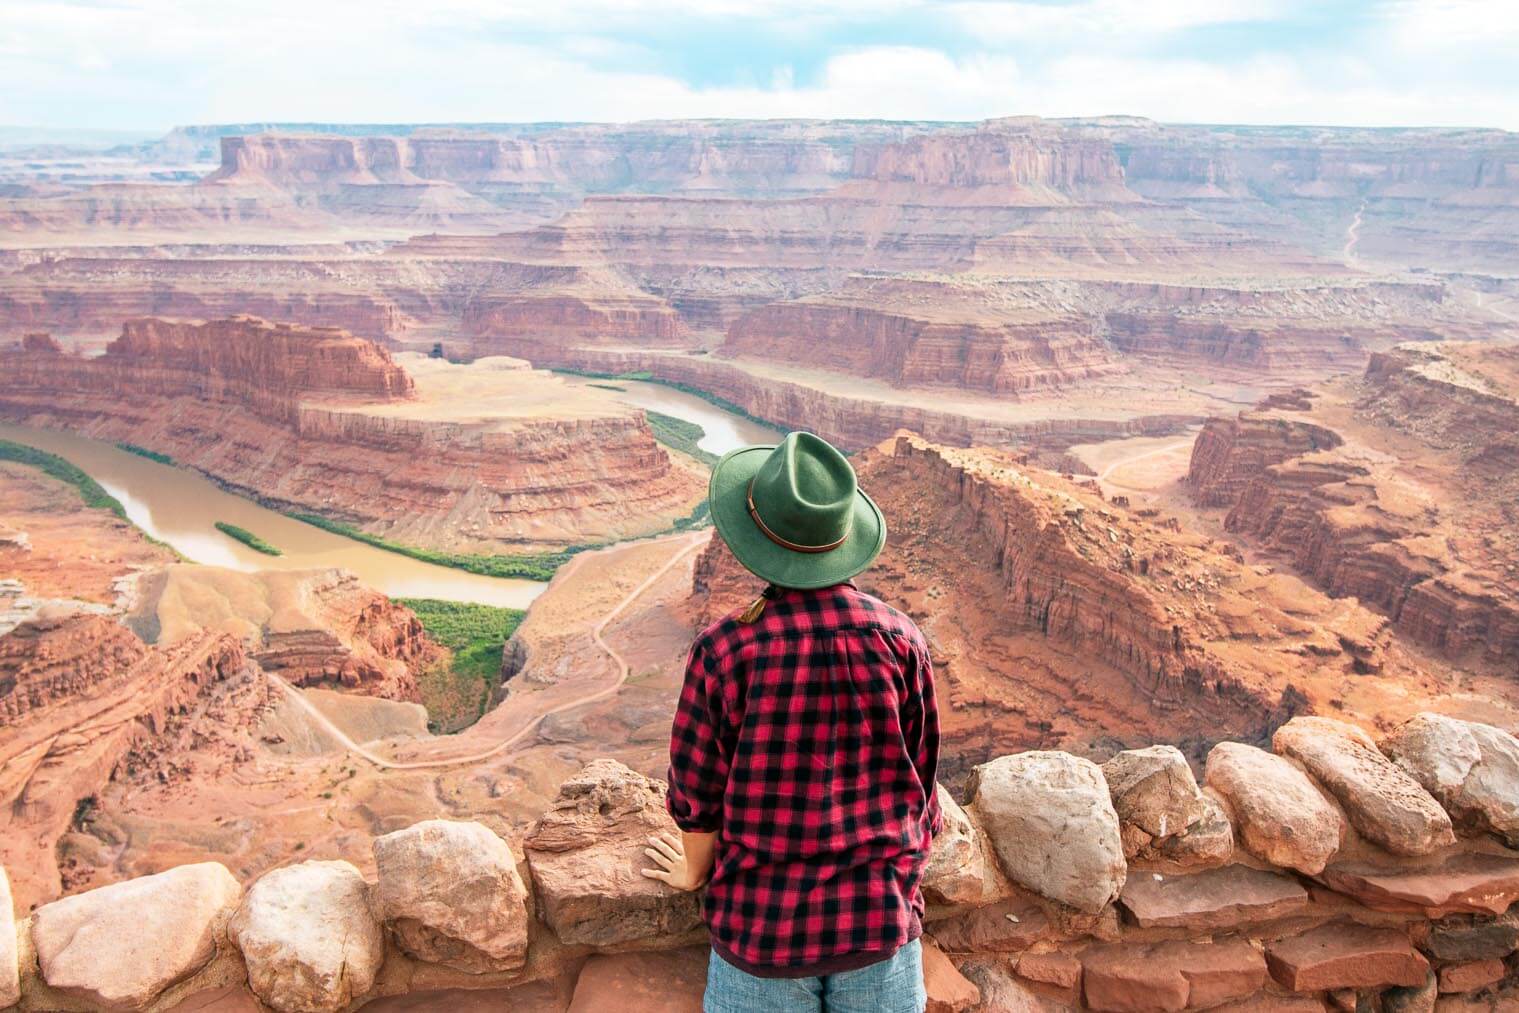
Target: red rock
column 1485, row 884
column 1470, row 976
column 1214, row 899
column 1170, row 976
column 1058, row 971
column 1345, row 956
column 1004, row 927
column 948, row 990
column 1270, row 1002
column 657, row 982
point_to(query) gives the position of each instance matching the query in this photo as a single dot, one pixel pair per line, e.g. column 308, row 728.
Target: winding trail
column 1353, row 235
column 326, row 724
column 1126, row 461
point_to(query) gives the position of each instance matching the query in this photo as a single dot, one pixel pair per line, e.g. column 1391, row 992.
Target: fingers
column 674, row 842
column 659, row 858
column 671, row 851
column 658, row 874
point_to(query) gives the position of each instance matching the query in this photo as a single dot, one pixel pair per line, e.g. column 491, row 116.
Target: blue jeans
column 893, row 985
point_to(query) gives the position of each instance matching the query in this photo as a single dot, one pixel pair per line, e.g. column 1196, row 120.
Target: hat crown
column 804, row 493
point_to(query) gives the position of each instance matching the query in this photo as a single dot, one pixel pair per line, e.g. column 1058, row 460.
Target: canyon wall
column 1325, row 874
column 262, row 424
column 1343, row 492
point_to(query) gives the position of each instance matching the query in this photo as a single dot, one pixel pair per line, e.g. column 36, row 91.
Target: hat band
column 793, row 546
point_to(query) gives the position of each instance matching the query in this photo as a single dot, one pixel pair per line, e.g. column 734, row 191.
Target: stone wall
column 1332, row 873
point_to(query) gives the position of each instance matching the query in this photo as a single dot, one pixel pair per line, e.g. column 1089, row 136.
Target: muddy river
column 724, row 429
column 181, row 507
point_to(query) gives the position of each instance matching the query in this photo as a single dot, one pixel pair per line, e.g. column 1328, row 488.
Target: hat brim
column 728, row 498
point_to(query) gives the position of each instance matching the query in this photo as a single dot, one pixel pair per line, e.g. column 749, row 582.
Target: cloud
column 155, row 63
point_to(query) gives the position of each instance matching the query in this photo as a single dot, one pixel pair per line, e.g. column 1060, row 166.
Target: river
column 725, row 430
column 181, row 507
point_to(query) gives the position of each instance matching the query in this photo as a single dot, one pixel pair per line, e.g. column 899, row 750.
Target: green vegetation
column 456, row 696
column 686, row 388
column 248, row 538
column 539, row 566
column 51, row 464
column 679, row 434
column 151, row 455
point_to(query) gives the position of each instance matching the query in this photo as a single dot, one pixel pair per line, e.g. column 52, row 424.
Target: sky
column 147, row 65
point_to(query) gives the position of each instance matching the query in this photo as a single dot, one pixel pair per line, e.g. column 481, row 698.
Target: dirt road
column 686, row 547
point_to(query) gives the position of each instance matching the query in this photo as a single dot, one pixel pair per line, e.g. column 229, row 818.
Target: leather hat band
column 783, row 543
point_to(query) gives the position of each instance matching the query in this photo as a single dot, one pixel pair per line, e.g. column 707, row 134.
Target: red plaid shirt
column 808, row 740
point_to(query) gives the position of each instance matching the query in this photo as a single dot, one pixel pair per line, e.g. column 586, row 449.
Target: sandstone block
column 1468, row 937
column 957, row 871
column 1271, row 1002
column 1477, row 883
column 1383, row 802
column 670, row 981
column 1001, row 992
column 1279, row 815
column 1345, row 956
column 1052, row 826
column 1472, row 769
column 10, row 968
column 1004, row 927
column 1154, row 790
column 949, row 991
column 586, row 854
column 309, row 936
column 452, row 895
column 1170, row 976
column 1057, row 972
column 120, row 946
column 1213, row 899
column 1470, row 976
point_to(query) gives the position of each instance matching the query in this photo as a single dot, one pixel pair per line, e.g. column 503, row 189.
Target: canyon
column 1196, row 446
column 320, row 421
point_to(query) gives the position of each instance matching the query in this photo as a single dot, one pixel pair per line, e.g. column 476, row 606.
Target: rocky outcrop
column 1012, row 154
column 121, row 946
column 446, row 467
column 81, row 700
column 309, row 936
column 1356, row 517
column 1279, row 815
column 1161, row 811
column 1243, row 936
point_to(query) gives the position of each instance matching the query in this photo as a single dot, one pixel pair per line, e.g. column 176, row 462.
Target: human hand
column 672, row 867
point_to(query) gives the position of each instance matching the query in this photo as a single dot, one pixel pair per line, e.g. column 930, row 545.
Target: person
column 803, row 754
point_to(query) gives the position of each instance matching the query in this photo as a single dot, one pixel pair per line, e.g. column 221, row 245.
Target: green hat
column 794, row 514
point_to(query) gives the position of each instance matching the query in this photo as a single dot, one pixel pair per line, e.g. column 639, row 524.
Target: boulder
column 1212, row 899
column 1001, row 992
column 1345, row 956
column 10, row 966
column 1052, row 826
column 1383, row 802
column 452, row 895
column 1206, row 844
column 948, row 990
column 1170, row 976
column 309, row 936
column 1279, row 815
column 1154, row 790
column 586, row 853
column 1470, row 976
column 121, row 946
column 667, row 981
column 957, row 870
column 1418, row 998
column 1470, row 768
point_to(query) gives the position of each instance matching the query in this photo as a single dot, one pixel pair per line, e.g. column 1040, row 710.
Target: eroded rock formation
column 324, row 422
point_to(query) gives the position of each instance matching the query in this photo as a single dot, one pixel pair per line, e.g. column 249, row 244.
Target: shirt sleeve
column 698, row 759
column 920, row 727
